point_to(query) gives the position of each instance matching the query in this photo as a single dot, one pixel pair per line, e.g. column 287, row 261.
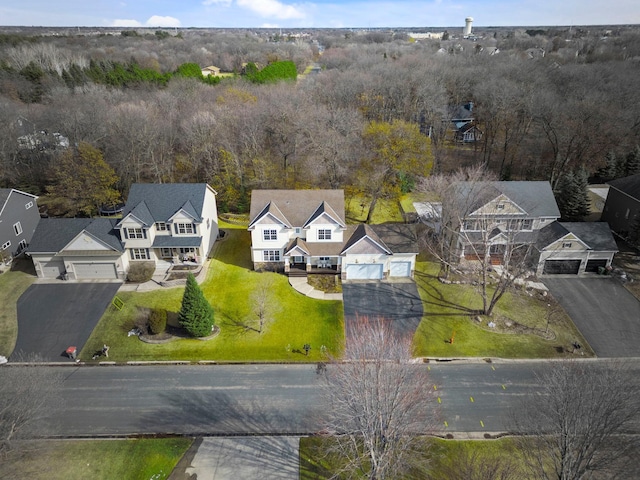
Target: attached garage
column 370, row 271
column 561, row 267
column 89, row 270
column 594, row 265
column 400, row 269
column 53, row 268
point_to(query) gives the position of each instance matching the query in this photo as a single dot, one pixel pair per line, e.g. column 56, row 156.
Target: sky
column 315, row 13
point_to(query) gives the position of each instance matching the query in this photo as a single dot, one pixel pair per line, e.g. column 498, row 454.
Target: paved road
column 52, row 317
column 398, row 302
column 251, row 399
column 603, row 310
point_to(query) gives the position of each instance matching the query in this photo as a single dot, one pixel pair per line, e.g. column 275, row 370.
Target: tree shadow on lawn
column 435, row 297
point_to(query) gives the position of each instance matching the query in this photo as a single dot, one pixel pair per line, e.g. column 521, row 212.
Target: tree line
column 541, row 118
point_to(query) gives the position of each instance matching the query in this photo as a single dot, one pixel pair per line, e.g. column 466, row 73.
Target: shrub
column 157, row 321
column 141, row 272
column 196, row 314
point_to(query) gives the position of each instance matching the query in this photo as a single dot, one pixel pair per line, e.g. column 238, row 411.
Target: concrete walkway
column 301, row 285
column 234, row 458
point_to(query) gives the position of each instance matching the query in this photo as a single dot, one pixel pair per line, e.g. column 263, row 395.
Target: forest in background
column 549, row 102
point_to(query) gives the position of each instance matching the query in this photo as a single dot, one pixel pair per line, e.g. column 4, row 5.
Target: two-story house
column 161, row 223
column 19, row 218
column 304, row 231
column 501, row 215
column 622, row 207
column 167, row 223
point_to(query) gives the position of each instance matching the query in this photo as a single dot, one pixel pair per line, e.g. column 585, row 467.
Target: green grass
column 386, row 211
column 447, row 314
column 446, row 457
column 297, row 319
column 139, row 459
column 12, row 285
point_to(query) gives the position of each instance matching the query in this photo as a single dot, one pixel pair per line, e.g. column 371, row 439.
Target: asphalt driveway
column 54, row 316
column 603, row 310
column 398, row 302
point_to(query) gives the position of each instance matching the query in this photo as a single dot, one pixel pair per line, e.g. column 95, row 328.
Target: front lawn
column 447, row 315
column 139, row 459
column 230, row 283
column 12, row 285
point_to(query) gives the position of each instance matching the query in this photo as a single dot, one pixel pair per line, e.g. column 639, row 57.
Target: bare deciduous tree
column 26, row 394
column 582, row 422
column 377, row 402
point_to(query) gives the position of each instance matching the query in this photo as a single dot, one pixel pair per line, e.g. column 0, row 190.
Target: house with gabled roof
column 622, row 207
column 78, row 249
column 304, row 231
column 169, row 223
column 498, row 215
column 574, row 248
column 166, row 224
column 19, row 217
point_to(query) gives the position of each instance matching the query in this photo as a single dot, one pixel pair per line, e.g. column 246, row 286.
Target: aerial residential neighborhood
column 308, row 253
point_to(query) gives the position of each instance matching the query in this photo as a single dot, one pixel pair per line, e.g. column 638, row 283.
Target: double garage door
column 374, row 271
column 87, row 270
column 571, row 267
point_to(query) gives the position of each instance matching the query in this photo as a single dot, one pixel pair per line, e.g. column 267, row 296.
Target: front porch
column 302, row 266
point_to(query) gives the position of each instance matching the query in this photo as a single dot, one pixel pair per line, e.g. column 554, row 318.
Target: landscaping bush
column 157, row 321
column 196, row 314
column 141, row 272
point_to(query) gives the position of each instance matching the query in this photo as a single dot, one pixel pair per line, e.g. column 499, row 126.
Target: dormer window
column 135, row 233
column 270, row 234
column 185, row 228
column 324, row 234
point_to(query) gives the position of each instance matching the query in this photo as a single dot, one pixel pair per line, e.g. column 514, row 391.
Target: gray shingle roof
column 53, row 234
column 167, row 241
column 361, row 231
column 597, row 235
column 536, row 198
column 629, row 185
column 296, row 206
column 163, row 200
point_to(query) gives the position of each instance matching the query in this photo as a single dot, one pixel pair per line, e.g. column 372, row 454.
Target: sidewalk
column 300, row 284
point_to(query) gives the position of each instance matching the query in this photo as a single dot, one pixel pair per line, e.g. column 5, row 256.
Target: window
column 166, row 252
column 324, row 234
column 566, row 245
column 27, row 206
column 135, row 233
column 298, row 230
column 270, row 234
column 6, row 245
column 22, row 245
column 161, row 227
column 470, row 225
column 17, row 227
column 139, row 254
column 527, row 224
column 501, row 206
column 185, row 228
column 271, row 255
column 187, row 250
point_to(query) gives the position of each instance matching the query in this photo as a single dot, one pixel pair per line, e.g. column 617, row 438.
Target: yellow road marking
column 472, row 400
column 439, row 401
column 435, row 388
column 446, row 424
column 493, row 368
column 503, row 387
column 481, row 423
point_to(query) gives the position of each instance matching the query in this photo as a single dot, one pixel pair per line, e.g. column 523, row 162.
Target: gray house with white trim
column 19, row 218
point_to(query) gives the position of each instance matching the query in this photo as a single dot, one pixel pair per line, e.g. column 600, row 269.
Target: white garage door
column 95, row 270
column 364, row 272
column 400, row 269
column 52, row 269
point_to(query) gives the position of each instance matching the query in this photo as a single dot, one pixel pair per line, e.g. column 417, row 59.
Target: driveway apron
column 605, row 312
column 54, row 316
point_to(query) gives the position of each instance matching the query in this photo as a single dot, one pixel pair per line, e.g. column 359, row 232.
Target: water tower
column 468, row 22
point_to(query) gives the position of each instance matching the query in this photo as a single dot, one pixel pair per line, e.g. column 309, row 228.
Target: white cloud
column 225, row 3
column 158, row 21
column 271, row 9
column 125, row 23
column 269, row 25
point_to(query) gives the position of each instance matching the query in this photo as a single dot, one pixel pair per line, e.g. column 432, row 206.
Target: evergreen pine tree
column 610, row 169
column 632, row 166
column 196, row 314
column 572, row 195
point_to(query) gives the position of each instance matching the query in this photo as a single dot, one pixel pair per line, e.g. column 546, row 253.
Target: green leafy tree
column 399, row 154
column 572, row 196
column 82, row 181
column 196, row 314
